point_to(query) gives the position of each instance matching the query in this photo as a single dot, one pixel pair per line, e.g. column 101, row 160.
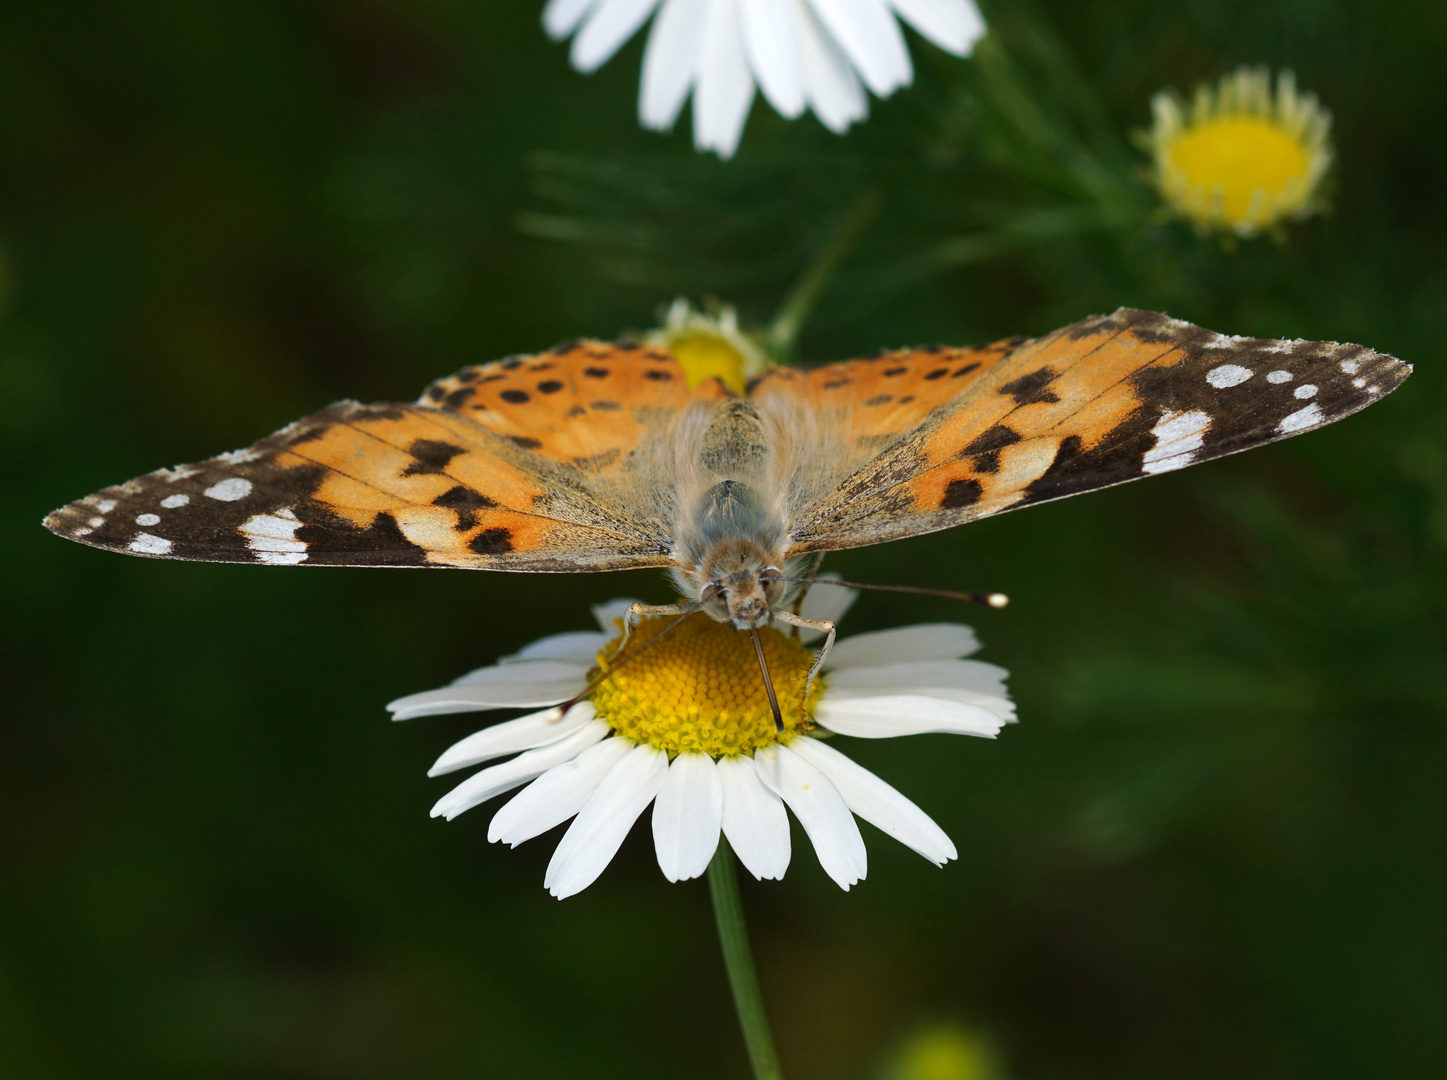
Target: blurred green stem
column 784, row 330
column 733, row 935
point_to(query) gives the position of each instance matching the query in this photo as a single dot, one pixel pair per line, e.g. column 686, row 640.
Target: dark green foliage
column 1215, row 846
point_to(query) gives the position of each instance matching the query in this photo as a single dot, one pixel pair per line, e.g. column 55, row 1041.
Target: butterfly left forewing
column 1100, row 402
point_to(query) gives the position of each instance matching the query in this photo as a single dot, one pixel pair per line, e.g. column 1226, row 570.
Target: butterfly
column 598, row 456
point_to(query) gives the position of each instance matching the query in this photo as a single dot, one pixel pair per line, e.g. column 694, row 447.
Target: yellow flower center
column 1237, row 157
column 709, row 356
column 699, row 688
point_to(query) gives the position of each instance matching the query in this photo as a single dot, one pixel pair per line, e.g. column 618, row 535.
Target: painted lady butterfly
column 599, row 456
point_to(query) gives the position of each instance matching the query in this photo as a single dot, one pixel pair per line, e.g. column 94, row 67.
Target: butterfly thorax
column 734, row 542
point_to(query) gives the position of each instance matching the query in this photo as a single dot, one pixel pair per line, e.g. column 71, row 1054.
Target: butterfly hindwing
column 1102, row 401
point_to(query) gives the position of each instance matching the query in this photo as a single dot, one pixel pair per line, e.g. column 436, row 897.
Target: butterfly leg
column 636, row 613
column 824, row 626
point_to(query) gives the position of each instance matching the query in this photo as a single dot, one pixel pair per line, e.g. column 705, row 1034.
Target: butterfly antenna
column 559, row 710
column 987, row 599
column 768, row 680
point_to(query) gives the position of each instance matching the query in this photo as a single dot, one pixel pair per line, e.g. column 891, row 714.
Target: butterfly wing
column 1100, row 402
column 521, row 464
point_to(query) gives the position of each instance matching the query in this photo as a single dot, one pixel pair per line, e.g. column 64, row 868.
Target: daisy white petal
column 687, row 815
column 578, row 647
column 953, row 25
column 519, row 671
column 876, row 802
column 511, row 736
column 971, row 681
column 753, row 819
column 609, row 25
column 926, row 641
column 725, row 85
column 455, row 699
column 871, row 38
column 834, row 91
column 670, row 62
column 482, row 786
column 771, row 41
column 609, row 613
column 904, row 714
column 561, row 17
column 600, row 827
column 825, row 603
column 820, row 809
column 557, row 795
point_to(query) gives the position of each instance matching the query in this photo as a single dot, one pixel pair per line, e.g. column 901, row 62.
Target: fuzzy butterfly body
column 599, row 456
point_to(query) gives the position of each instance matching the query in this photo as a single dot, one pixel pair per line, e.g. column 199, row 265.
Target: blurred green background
column 1214, row 846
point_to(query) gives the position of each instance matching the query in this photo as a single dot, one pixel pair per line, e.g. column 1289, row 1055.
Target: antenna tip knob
column 996, row 599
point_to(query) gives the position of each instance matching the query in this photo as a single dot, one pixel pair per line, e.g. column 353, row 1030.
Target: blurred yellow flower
column 709, row 346
column 1240, row 158
column 943, row 1052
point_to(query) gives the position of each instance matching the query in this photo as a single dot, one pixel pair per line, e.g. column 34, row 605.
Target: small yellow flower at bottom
column 1241, row 158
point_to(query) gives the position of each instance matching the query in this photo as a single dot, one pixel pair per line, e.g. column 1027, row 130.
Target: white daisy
column 800, row 53
column 685, row 726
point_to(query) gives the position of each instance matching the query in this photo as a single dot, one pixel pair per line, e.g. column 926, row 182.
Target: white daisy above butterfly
column 679, row 719
column 818, row 55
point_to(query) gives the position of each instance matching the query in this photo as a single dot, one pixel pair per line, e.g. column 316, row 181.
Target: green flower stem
column 728, row 911
column 784, row 330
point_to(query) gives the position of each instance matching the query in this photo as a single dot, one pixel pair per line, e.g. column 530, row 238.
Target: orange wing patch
column 1100, row 402
column 880, row 398
column 585, row 404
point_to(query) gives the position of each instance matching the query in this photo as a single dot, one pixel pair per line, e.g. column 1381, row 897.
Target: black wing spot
column 895, row 371
column 544, row 366
column 906, row 399
column 491, row 542
column 466, row 502
column 527, row 442
column 880, row 399
column 494, row 377
column 596, row 372
column 986, row 449
column 575, row 411
column 430, row 456
column 467, row 375
column 835, row 384
column 658, row 376
column 964, row 370
column 435, row 392
column 459, row 397
column 605, row 406
column 512, row 363
column 551, row 386
column 1030, row 389
column 961, row 493
column 937, row 373
column 515, row 397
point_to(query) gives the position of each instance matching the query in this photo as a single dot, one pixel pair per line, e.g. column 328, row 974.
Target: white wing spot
column 1304, row 391
column 272, row 538
column 1227, row 375
column 97, row 522
column 1278, row 376
column 148, row 519
column 1221, row 341
column 1359, row 383
column 1350, row 366
column 1178, row 437
column 171, row 502
column 105, row 506
column 229, row 490
column 1282, row 346
column 1302, row 418
column 146, row 544
column 239, row 457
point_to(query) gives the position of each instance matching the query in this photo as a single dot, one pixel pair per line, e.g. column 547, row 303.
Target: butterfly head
column 739, row 584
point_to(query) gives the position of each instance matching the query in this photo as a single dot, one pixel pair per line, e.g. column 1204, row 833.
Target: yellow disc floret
column 699, row 688
column 709, row 345
column 1240, row 157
